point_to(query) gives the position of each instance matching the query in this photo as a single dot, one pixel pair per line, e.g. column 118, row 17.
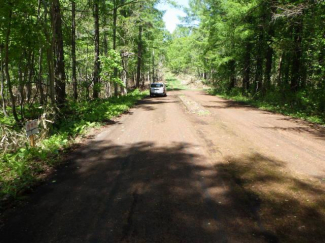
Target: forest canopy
column 53, row 51
column 271, row 50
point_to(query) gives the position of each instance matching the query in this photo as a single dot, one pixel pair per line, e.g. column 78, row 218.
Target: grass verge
column 22, row 169
column 275, row 104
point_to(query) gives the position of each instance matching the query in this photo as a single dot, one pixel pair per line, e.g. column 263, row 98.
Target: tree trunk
column 114, row 43
column 49, row 54
column 39, row 79
column 269, row 52
column 13, row 102
column 96, row 63
column 3, row 100
column 22, row 81
column 280, row 70
column 153, row 66
column 73, row 51
column 269, row 61
column 50, row 66
column 296, row 61
column 139, row 57
column 58, row 53
column 259, row 63
column 30, row 77
column 247, row 67
column 232, row 81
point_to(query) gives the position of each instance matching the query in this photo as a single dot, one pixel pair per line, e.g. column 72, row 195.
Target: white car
column 158, row 89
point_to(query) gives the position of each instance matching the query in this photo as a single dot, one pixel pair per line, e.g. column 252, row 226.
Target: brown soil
column 166, row 173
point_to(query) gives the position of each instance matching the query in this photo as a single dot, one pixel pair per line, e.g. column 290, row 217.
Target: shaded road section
column 160, row 174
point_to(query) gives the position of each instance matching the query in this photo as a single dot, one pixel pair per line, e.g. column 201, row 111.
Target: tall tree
column 73, row 50
column 59, row 66
column 96, row 61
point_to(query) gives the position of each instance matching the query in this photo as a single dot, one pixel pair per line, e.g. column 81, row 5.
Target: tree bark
column 96, row 63
column 269, row 52
column 3, row 100
column 232, row 81
column 259, row 63
column 30, row 76
column 247, row 67
column 13, row 102
column 59, row 67
column 296, row 61
column 114, row 43
column 153, row 66
column 139, row 57
column 39, row 79
column 49, row 55
column 73, row 51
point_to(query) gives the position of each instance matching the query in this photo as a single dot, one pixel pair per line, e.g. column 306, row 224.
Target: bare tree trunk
column 125, row 74
column 279, row 70
column 21, row 89
column 268, row 68
column 30, row 76
column 96, row 63
column 139, row 57
column 114, row 43
column 247, row 67
column 50, row 65
column 59, row 53
column 13, row 103
column 3, row 100
column 153, row 66
column 73, row 51
column 296, row 62
column 39, row 79
column 269, row 52
column 259, row 62
column 232, row 82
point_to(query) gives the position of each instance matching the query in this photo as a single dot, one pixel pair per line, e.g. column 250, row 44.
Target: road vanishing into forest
column 160, row 174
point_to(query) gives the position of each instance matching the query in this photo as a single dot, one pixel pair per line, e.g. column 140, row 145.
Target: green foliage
column 20, row 169
column 301, row 105
column 184, row 51
column 173, row 83
column 272, row 51
column 109, row 63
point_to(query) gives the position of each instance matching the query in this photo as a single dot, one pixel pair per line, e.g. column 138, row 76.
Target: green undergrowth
column 300, row 105
column 21, row 169
column 173, row 83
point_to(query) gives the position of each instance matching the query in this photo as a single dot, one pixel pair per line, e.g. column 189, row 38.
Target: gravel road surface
column 153, row 175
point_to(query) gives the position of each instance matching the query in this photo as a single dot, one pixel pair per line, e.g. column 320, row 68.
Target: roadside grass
column 286, row 207
column 21, row 169
column 173, row 83
column 297, row 107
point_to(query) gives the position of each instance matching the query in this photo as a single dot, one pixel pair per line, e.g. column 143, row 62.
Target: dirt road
column 163, row 173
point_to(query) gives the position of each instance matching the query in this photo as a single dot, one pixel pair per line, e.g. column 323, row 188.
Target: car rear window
column 157, row 85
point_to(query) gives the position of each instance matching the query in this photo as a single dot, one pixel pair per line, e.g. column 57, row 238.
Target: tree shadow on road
column 149, row 103
column 289, row 206
column 146, row 193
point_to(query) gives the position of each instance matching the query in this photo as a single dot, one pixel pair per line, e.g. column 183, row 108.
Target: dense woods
column 72, row 65
column 271, row 50
column 55, row 51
